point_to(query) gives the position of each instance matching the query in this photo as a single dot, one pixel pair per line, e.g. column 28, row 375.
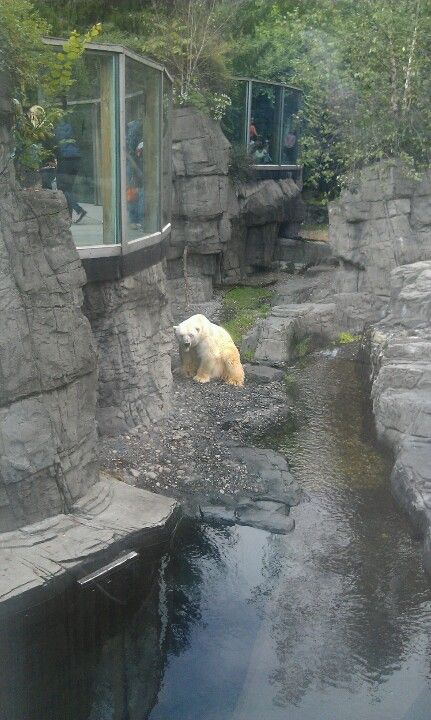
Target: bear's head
column 190, row 331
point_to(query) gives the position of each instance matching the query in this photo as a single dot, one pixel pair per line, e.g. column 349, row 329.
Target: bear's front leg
column 202, row 376
column 204, row 370
column 188, row 363
column 233, row 371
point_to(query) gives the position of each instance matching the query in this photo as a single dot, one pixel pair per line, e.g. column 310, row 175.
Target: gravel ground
column 187, row 454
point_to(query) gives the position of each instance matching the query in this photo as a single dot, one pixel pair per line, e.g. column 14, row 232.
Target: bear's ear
column 198, row 329
column 175, row 327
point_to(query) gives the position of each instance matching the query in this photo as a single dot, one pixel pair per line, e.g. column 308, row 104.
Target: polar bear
column 207, row 351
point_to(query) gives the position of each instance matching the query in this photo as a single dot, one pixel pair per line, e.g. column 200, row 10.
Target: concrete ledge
column 39, row 560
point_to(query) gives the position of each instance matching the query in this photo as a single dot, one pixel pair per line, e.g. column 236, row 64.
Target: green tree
column 30, row 69
column 21, row 48
column 365, row 69
column 188, row 36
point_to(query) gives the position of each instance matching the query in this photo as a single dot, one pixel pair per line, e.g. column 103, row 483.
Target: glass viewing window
column 264, row 118
column 113, row 151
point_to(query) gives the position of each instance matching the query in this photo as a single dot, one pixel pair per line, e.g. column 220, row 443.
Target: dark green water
column 330, row 622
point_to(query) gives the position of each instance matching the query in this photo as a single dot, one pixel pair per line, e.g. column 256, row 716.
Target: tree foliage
column 365, row 67
column 21, row 49
column 34, row 125
column 34, row 69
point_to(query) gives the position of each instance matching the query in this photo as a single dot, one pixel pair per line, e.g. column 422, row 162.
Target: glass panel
column 167, row 151
column 264, row 131
column 234, row 121
column 290, row 134
column 143, row 91
column 86, row 149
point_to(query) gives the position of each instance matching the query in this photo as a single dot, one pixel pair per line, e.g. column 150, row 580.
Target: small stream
column 329, row 622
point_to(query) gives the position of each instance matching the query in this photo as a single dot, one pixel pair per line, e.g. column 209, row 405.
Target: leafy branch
column 34, row 127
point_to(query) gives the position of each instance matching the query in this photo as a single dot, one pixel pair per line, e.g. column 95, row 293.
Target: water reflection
column 336, row 615
column 331, row 621
column 186, row 574
column 90, row 654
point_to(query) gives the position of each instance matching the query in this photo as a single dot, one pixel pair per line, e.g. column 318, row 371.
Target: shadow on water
column 331, row 621
column 74, row 657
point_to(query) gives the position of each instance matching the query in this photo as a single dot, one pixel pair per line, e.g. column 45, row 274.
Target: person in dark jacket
column 135, row 172
column 68, row 162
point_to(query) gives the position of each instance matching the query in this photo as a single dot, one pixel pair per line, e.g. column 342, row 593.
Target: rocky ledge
column 39, row 560
column 304, row 318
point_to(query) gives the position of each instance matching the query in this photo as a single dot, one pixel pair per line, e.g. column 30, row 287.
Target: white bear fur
column 207, row 351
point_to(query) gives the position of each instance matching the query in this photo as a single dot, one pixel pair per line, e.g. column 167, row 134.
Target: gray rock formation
column 132, row 324
column 261, row 514
column 262, row 207
column 263, row 374
column 381, row 223
column 48, row 377
column 269, row 508
column 273, row 472
column 302, row 252
column 200, row 222
column 400, row 347
column 219, row 232
column 291, row 331
column 56, row 518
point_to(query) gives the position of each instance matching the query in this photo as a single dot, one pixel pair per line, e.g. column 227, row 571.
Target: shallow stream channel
column 329, row 622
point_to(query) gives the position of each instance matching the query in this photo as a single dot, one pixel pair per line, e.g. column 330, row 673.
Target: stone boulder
column 273, row 472
column 302, row 252
column 261, row 202
column 291, row 331
column 410, row 297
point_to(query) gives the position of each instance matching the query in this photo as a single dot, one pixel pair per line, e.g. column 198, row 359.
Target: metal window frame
column 281, row 125
column 248, row 112
column 265, row 82
column 164, row 202
column 123, row 152
column 122, row 246
column 161, row 152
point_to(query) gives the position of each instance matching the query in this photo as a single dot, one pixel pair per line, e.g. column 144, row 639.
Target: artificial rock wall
column 400, row 350
column 381, row 233
column 48, row 375
column 132, row 324
column 220, row 232
column 380, row 223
